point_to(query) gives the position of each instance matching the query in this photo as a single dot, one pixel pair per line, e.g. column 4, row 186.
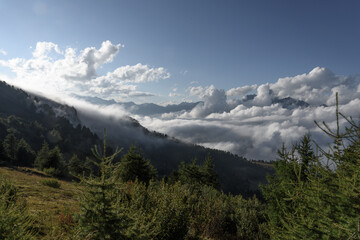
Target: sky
column 162, row 51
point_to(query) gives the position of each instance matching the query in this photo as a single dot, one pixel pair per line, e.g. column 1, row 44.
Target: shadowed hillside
column 37, row 119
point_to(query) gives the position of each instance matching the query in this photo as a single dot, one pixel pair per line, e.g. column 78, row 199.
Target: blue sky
column 224, row 43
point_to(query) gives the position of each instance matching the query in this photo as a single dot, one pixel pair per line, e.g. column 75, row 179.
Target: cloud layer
column 256, row 126
column 247, row 120
column 57, row 72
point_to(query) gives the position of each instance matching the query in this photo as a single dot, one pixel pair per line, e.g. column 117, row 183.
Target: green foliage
column 16, row 152
column 15, row 222
column 249, row 217
column 3, row 157
column 158, row 211
column 42, row 156
column 193, row 173
column 133, row 166
column 50, row 161
column 51, row 183
column 99, row 218
column 10, row 146
column 25, row 156
column 314, row 197
column 161, row 210
column 77, row 167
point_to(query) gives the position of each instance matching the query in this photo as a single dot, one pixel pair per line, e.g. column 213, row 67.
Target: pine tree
column 10, row 147
column 133, row 166
column 307, row 155
column 50, row 161
column 42, row 156
column 3, row 158
column 312, row 198
column 210, row 178
column 100, row 218
column 78, row 167
column 25, row 156
column 204, row 174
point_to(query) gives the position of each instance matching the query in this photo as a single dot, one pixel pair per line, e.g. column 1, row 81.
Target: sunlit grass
column 45, row 203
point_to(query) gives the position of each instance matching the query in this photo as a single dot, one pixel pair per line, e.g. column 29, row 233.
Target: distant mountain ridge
column 149, row 109
column 145, row 109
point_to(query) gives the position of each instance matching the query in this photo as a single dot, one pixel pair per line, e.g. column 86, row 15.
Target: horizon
column 217, row 52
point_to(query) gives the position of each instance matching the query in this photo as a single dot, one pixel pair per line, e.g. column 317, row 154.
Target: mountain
column 288, row 102
column 37, row 119
column 145, row 109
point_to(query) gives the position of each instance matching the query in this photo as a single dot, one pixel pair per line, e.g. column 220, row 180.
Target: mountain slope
column 58, row 126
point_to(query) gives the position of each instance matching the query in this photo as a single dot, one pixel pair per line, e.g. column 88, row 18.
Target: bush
column 54, row 172
column 51, row 183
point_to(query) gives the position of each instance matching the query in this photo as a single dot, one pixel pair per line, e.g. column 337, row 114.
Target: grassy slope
column 45, row 203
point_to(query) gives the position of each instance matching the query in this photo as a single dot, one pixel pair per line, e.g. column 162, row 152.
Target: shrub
column 50, row 183
column 54, row 172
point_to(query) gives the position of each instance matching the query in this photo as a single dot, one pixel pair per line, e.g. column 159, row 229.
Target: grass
column 47, row 204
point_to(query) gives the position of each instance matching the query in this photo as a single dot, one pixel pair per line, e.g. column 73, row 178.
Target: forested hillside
column 310, row 196
column 29, row 120
column 124, row 194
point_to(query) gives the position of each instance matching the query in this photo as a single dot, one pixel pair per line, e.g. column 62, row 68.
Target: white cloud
column 174, row 94
column 56, row 72
column 3, row 52
column 240, row 91
column 263, row 97
column 316, row 87
column 214, row 100
column 256, row 128
column 253, row 127
column 42, row 49
column 196, row 91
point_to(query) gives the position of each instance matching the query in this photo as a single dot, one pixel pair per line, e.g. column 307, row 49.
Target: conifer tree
column 204, row 174
column 100, row 218
column 321, row 200
column 42, row 156
column 50, row 161
column 55, row 160
column 3, row 158
column 210, row 178
column 10, row 146
column 133, row 166
column 25, row 156
column 307, row 155
column 78, row 167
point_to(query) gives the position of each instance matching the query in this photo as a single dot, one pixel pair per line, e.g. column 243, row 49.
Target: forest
column 312, row 194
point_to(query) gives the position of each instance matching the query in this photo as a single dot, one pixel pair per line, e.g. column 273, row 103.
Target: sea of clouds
column 224, row 119
column 256, row 128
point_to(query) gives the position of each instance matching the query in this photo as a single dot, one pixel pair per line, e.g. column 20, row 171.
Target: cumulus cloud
column 214, row 100
column 263, row 97
column 317, row 87
column 43, row 49
column 57, row 72
column 240, row 91
column 255, row 126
